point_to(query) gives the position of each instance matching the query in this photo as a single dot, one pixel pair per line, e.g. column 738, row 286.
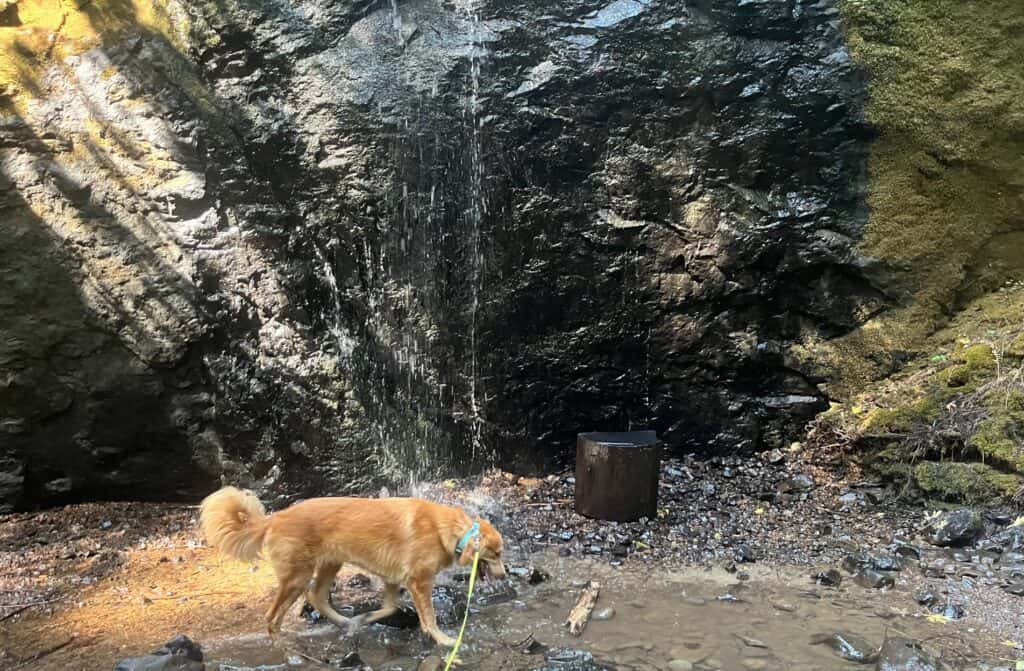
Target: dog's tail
column 234, row 522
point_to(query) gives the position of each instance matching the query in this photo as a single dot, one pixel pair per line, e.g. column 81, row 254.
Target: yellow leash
column 465, row 617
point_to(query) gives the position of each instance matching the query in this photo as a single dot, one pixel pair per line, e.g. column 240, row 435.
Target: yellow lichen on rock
column 45, row 32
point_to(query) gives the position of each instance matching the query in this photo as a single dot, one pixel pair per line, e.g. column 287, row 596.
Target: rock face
column 295, row 245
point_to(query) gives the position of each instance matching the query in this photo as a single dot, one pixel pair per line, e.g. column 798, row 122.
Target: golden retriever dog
column 404, row 541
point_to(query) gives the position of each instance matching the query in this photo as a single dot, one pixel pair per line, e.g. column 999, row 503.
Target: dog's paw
column 444, row 640
column 355, row 623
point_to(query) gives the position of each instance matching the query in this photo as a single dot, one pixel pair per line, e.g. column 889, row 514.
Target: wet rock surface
column 366, row 231
column 901, row 654
column 178, row 654
column 848, row 646
column 955, row 529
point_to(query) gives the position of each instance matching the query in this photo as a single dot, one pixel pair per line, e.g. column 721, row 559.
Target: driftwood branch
column 580, row 613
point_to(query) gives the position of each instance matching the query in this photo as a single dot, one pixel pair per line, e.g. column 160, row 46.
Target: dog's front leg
column 421, row 588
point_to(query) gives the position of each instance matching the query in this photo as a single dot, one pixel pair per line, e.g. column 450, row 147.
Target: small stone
column 351, row 660
column 751, row 642
column 849, row 647
column 603, row 614
column 958, row 528
column 901, row 654
column 926, row 597
column 828, row 578
column 783, row 606
column 873, row 579
column 680, row 665
column 754, row 663
column 695, row 601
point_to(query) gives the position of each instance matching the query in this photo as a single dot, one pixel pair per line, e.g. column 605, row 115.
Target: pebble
column 695, row 601
column 751, row 642
column 605, row 613
column 829, row 578
column 783, row 606
column 680, row 665
column 755, row 663
column 873, row 579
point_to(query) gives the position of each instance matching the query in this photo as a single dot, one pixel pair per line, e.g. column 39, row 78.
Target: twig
column 191, row 596
column 43, row 653
column 520, row 643
column 580, row 613
column 20, row 609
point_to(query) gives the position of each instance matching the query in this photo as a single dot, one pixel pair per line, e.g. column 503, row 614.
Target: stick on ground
column 580, row 613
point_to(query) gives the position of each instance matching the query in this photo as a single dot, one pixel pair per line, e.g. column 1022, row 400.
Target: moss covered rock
column 964, row 482
column 945, row 189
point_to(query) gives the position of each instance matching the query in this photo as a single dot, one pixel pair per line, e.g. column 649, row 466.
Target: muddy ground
column 86, row 585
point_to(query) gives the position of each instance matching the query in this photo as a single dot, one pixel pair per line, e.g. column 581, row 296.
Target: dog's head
column 490, row 546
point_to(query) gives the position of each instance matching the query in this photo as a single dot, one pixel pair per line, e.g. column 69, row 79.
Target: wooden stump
column 617, row 475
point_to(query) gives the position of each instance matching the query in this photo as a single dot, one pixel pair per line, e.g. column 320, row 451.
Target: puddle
column 663, row 619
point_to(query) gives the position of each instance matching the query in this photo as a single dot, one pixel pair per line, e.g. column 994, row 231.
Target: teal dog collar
column 474, row 532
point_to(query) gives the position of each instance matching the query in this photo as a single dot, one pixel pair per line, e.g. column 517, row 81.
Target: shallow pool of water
column 664, row 619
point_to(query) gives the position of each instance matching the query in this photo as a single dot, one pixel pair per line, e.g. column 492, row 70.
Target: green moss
column 944, row 190
column 1016, row 347
column 1000, row 438
column 966, row 482
column 979, row 357
column 902, row 418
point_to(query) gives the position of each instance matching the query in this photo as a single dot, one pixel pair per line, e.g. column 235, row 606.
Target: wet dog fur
column 405, row 541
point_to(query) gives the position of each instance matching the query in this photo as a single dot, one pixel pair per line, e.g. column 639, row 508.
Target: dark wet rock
column 493, row 593
column 886, row 563
column 530, row 574
column 854, row 563
column 848, row 646
column 872, row 579
column 178, row 654
column 926, row 597
column 275, row 347
column 901, row 654
column 1010, row 539
column 958, row 528
column 181, row 645
column 159, row 663
column 744, row 554
column 403, row 618
column 829, row 578
column 571, row 659
column 351, row 660
column 907, row 551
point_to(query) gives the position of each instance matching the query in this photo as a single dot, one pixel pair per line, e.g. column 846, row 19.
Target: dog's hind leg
column 421, row 589
column 388, row 607
column 291, row 583
column 320, row 595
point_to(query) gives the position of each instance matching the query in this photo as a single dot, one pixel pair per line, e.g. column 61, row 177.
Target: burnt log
column 617, row 475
